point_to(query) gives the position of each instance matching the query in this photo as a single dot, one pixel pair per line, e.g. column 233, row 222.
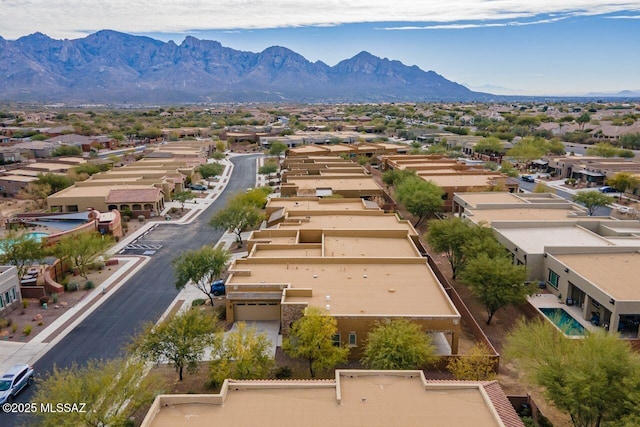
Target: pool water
column 36, row 235
column 564, row 321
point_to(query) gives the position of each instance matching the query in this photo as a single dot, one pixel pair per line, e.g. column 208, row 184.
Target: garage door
column 257, row 311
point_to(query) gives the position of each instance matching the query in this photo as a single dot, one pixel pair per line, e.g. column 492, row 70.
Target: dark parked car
column 607, row 189
column 13, row 381
column 217, row 288
column 528, row 178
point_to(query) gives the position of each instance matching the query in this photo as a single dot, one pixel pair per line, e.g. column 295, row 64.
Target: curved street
column 144, row 297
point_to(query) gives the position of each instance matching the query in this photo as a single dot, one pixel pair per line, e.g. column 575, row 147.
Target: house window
column 353, row 339
column 336, row 340
column 7, row 298
column 72, row 208
column 553, row 278
column 13, row 294
column 1, row 301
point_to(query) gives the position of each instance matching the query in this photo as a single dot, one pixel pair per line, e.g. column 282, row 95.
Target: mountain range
column 109, row 66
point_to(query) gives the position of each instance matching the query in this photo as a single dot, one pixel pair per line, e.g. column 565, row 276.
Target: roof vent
column 327, row 307
column 391, row 290
column 327, row 298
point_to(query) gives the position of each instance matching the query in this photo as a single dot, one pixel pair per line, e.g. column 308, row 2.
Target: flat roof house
column 598, row 285
column 359, row 264
column 10, row 297
column 353, row 398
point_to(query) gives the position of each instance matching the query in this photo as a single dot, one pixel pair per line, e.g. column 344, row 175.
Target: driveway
column 271, row 328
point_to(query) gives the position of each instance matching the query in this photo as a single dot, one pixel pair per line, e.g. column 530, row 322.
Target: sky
column 528, row 47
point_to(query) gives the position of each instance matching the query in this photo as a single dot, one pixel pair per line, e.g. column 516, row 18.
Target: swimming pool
column 564, row 321
column 35, row 235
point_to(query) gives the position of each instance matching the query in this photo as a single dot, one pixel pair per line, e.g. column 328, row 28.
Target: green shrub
column 283, row 372
column 72, row 286
column 54, row 298
column 89, row 285
column 14, row 328
column 25, row 303
column 221, row 312
column 197, row 302
column 4, row 323
column 27, row 330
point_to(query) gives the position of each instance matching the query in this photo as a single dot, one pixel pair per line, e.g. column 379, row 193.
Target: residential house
column 355, row 398
column 10, row 297
column 349, row 258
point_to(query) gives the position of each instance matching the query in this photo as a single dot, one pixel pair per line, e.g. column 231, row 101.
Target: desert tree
column 20, row 250
column 311, row 338
column 477, row 365
column 111, row 392
column 181, row 339
column 421, row 198
column 200, row 267
column 237, row 216
column 398, row 344
column 244, row 354
column 595, row 379
column 182, row 197
column 592, row 200
column 496, row 282
column 82, row 250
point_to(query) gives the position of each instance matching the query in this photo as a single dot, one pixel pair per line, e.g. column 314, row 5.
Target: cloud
column 64, row 18
column 476, row 25
column 623, row 17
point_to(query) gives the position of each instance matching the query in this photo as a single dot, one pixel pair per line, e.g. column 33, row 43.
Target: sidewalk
column 12, row 353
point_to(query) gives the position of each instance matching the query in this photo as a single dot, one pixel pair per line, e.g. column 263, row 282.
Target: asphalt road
column 581, row 149
column 105, row 333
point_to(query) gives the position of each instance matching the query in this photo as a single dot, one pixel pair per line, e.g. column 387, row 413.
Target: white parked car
column 13, row 381
column 627, row 210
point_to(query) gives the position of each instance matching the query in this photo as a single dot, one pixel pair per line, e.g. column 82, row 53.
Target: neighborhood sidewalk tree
column 244, row 355
column 496, row 282
column 398, row 344
column 310, row 338
column 82, row 250
column 623, row 181
column 268, row 169
column 200, row 267
column 210, row 169
column 236, row 217
column 596, row 379
column 182, row 197
column 592, row 200
column 112, row 392
column 181, row 339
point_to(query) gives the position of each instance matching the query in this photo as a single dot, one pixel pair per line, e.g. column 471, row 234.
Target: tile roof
column 498, row 398
column 133, row 195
